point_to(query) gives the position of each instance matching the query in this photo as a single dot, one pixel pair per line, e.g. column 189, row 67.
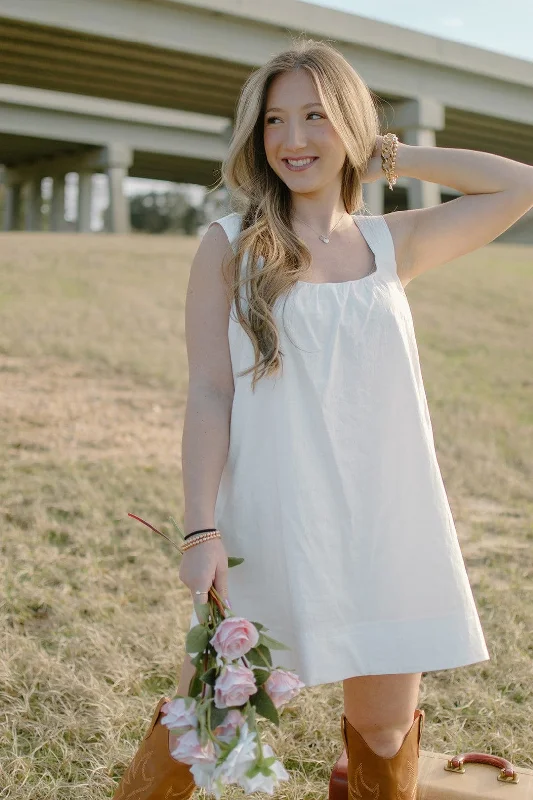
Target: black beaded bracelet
column 202, row 530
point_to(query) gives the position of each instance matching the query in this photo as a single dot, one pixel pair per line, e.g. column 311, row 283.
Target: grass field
column 93, row 379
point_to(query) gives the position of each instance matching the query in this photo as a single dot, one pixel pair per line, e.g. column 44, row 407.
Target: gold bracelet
column 198, row 541
column 204, row 537
column 389, row 148
column 201, row 536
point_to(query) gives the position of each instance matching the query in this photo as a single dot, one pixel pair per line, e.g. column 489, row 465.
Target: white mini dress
column 332, row 492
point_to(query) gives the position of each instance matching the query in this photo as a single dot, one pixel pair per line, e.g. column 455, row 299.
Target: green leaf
column 233, row 561
column 196, row 639
column 209, row 676
column 265, row 652
column 271, row 643
column 264, row 706
column 218, row 715
column 253, row 656
column 252, row 771
column 203, row 612
column 198, row 659
column 195, row 687
column 261, row 676
column 258, row 625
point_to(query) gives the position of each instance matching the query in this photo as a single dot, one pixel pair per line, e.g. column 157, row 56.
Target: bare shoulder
column 215, row 240
column 206, row 268
column 207, row 309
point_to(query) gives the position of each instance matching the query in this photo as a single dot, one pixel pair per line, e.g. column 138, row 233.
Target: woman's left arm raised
column 497, row 191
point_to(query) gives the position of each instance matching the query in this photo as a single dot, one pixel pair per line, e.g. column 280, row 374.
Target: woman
column 307, row 440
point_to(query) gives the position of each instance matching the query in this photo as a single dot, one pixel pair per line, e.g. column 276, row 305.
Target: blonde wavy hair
column 276, row 256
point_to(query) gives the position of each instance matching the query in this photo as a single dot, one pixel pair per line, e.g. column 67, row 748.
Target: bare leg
column 187, row 671
column 381, row 708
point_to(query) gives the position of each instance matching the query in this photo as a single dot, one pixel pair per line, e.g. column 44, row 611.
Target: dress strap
column 232, row 227
column 378, row 237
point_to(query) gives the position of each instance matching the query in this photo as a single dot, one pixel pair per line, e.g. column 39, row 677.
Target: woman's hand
column 202, row 566
column 374, row 170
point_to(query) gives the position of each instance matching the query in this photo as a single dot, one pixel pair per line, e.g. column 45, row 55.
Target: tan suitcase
column 467, row 776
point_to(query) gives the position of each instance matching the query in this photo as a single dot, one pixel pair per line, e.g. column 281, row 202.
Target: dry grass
column 93, row 617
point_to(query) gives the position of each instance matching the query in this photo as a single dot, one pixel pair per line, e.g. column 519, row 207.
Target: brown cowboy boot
column 373, row 777
column 154, row 774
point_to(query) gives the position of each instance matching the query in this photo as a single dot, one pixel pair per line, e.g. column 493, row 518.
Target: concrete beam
column 67, row 125
column 394, row 61
column 91, row 161
column 46, row 99
column 195, row 26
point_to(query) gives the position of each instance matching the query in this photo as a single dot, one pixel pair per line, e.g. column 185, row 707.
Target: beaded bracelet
column 203, row 537
column 200, row 539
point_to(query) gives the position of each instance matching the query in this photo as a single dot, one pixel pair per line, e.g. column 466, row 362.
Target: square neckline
column 350, row 280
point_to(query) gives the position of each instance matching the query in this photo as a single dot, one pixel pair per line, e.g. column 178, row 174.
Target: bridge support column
column 12, row 200
column 84, row 201
column 421, row 194
column 418, row 120
column 32, row 204
column 119, row 160
column 57, row 207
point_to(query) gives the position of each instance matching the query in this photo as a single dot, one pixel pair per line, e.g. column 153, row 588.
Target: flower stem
column 254, row 723
column 220, row 600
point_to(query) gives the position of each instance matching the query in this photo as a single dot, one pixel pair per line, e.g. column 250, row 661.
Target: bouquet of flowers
column 216, row 722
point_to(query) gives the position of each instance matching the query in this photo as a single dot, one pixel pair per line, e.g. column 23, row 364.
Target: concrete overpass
column 149, row 87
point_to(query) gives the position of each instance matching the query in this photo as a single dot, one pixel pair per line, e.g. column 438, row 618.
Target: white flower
column 207, row 776
column 265, row 783
column 241, row 757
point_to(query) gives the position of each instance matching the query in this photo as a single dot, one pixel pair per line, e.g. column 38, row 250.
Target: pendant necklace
column 324, row 239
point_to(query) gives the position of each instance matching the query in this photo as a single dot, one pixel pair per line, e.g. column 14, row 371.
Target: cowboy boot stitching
column 138, row 763
column 401, row 790
column 358, row 776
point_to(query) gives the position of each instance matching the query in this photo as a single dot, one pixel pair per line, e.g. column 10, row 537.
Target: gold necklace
column 324, row 239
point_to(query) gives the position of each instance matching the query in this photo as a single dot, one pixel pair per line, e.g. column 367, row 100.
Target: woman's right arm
column 206, row 427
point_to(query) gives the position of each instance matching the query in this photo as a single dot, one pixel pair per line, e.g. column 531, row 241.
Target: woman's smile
column 299, row 164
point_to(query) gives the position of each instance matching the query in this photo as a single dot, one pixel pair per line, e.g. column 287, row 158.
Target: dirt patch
column 50, row 405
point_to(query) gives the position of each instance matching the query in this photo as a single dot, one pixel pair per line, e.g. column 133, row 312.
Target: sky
column 505, row 27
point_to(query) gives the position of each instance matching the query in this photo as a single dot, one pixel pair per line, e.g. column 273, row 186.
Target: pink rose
column 234, row 686
column 282, row 685
column 234, row 637
column 227, row 730
column 189, row 750
column 180, row 713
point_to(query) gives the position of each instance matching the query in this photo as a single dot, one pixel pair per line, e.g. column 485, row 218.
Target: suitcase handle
column 507, row 774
